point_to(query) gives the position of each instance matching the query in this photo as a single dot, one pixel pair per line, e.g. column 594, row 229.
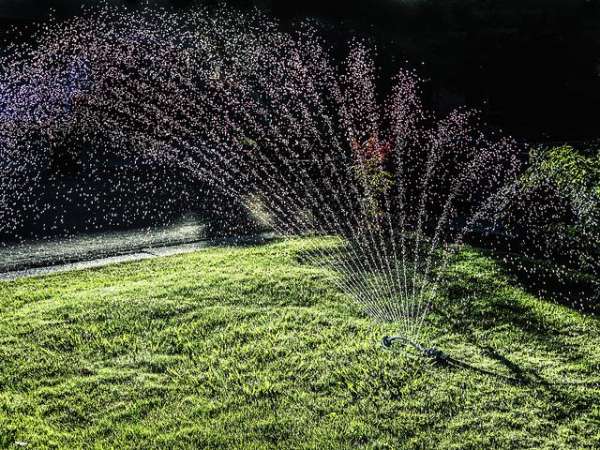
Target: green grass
column 249, row 347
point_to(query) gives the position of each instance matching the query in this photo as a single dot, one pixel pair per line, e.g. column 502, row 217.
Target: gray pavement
column 147, row 253
column 98, row 245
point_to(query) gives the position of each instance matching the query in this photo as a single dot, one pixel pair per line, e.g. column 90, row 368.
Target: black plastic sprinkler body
column 433, row 353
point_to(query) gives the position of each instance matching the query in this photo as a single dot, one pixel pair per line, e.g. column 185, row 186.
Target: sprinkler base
column 433, row 353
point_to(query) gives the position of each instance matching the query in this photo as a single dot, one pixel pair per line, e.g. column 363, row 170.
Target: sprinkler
column 437, row 355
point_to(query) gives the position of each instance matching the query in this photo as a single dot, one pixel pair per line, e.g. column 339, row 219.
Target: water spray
column 282, row 121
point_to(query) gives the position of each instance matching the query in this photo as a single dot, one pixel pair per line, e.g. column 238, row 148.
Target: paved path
column 98, row 245
column 149, row 253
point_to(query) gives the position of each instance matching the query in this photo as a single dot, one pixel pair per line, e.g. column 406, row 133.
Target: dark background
column 531, row 66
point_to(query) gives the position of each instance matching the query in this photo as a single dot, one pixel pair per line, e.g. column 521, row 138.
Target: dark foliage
column 548, row 226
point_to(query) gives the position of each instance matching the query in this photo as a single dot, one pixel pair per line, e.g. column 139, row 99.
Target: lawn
column 251, row 347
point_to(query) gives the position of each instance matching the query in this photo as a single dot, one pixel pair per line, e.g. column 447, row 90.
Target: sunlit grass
column 254, row 347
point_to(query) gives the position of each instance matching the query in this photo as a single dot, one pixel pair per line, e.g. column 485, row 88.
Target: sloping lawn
column 249, row 347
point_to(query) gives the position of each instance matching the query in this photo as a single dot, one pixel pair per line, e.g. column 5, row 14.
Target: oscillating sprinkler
column 437, row 355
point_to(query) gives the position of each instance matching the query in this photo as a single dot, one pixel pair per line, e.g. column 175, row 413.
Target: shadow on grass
column 518, row 375
column 509, row 315
column 579, row 291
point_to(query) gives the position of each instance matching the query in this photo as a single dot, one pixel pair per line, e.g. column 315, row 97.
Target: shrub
column 553, row 210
